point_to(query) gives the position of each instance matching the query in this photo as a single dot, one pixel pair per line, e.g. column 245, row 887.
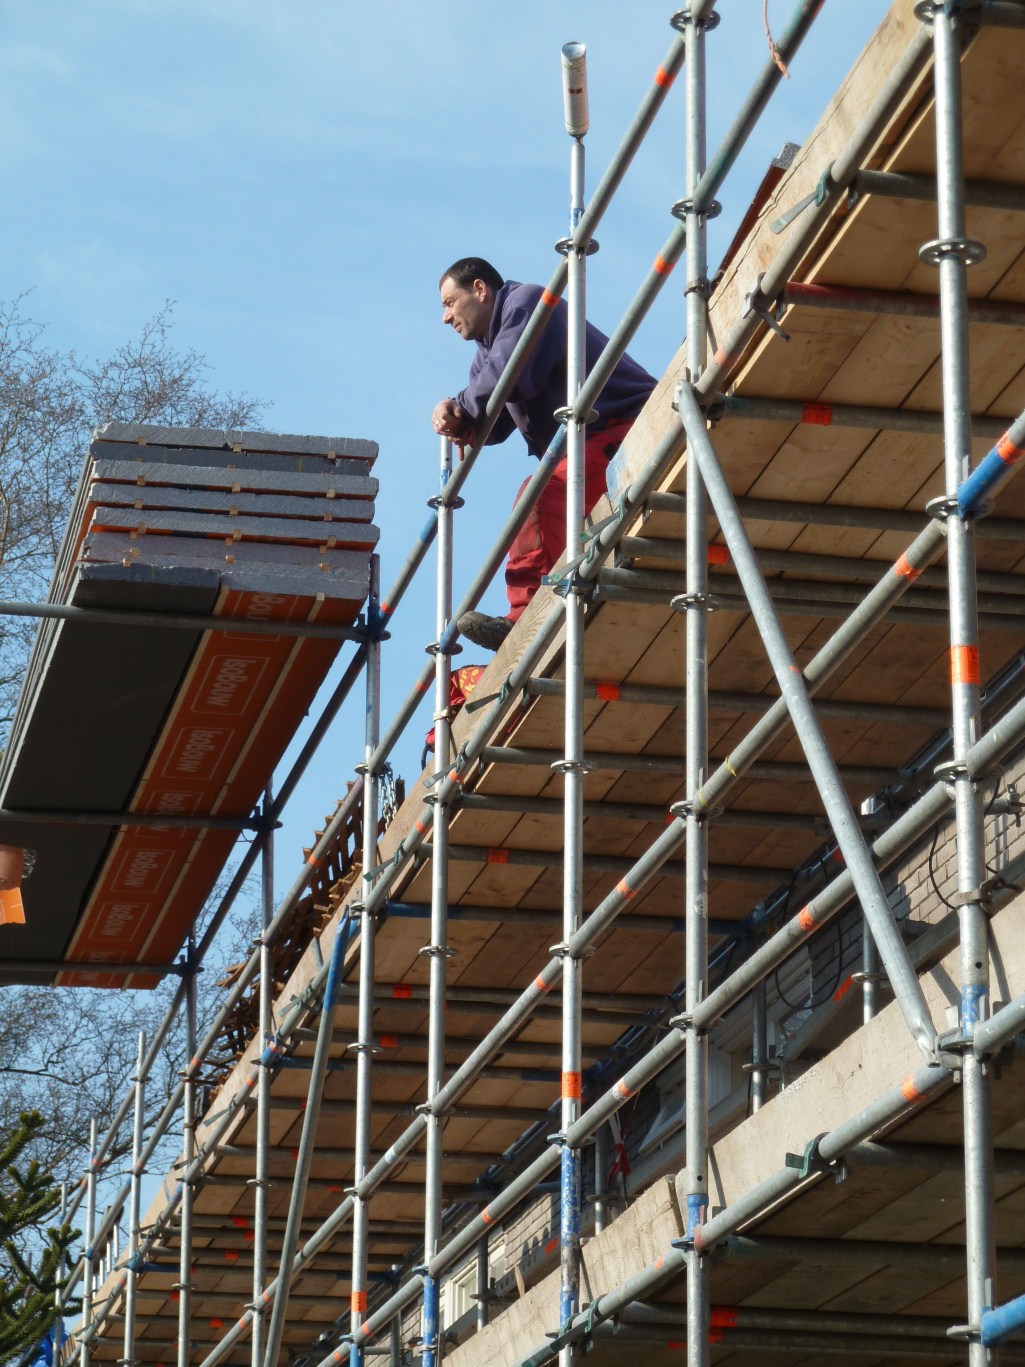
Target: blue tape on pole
column 697, row 1209
column 997, row 1324
column 430, row 1322
column 976, row 488
column 569, row 1232
column 972, row 997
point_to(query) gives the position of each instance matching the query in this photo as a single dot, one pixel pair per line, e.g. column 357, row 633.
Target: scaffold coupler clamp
column 811, row 1163
column 688, row 809
column 694, row 602
column 440, row 501
column 563, row 951
column 683, row 17
column 565, row 245
column 681, row 209
column 768, row 311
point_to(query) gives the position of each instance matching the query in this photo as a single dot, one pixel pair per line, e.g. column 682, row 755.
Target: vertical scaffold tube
column 88, row 1256
column 572, row 764
column 184, row 1283
column 952, row 252
column 135, row 1200
column 365, row 1029
column 759, row 1048
column 869, row 976
column 261, row 1176
column 695, row 603
column 437, row 951
column 483, row 1282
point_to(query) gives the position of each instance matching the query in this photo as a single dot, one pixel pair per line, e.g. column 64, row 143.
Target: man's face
column 467, row 310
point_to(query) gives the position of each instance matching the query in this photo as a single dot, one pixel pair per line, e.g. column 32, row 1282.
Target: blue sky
column 295, row 174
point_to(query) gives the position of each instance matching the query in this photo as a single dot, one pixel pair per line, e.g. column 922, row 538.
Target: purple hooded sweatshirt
column 541, row 388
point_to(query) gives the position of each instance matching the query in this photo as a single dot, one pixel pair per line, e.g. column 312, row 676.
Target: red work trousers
column 542, row 538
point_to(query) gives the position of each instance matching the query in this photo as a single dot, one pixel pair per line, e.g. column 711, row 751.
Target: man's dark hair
column 470, row 268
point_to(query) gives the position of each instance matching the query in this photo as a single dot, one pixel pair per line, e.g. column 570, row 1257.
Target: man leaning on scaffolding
column 484, row 308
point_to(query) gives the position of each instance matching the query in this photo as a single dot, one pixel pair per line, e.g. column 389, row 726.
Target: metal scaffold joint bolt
column 964, row 249
column 683, row 17
column 565, row 245
column 682, row 207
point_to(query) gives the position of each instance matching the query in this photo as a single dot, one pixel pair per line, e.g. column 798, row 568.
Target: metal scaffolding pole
column 188, row 1190
column 953, row 252
column 263, row 1088
column 135, row 1203
column 364, row 1046
column 437, row 951
column 571, row 766
column 88, row 1253
column 759, row 1048
column 797, row 699
column 694, row 24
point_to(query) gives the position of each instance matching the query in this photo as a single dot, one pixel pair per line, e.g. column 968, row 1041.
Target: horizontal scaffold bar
column 180, row 621
column 553, row 916
column 863, row 569
column 1008, row 600
column 840, row 515
column 899, row 303
column 673, row 764
column 860, row 1253
column 154, row 819
column 326, row 1154
column 628, row 1003
column 529, row 1115
column 636, row 811
column 814, row 414
column 979, row 194
column 720, row 700
column 609, row 863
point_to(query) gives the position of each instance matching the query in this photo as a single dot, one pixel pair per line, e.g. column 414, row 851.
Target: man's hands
column 450, row 421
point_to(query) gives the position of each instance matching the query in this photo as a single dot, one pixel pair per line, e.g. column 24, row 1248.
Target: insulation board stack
column 154, row 719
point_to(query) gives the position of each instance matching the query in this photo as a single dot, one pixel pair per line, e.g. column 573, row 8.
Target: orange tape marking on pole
column 723, row 358
column 843, row 989
column 608, row 692
column 487, row 1217
column 358, row 1303
column 497, row 855
column 964, row 664
column 717, row 555
column 909, row 1091
column 661, row 266
column 402, row 991
column 806, row 920
column 723, row 1317
column 549, row 299
column 664, row 78
column 625, row 890
column 571, row 1086
column 622, row 1091
column 1008, row 452
column 904, row 569
column 541, row 985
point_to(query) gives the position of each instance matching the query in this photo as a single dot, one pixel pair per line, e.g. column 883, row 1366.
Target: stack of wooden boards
column 152, row 719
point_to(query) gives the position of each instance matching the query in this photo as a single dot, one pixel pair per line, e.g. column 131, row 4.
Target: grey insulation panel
column 223, row 501
column 119, row 548
column 248, row 460
column 289, row 579
column 247, row 479
column 224, row 439
column 83, row 736
column 159, row 521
